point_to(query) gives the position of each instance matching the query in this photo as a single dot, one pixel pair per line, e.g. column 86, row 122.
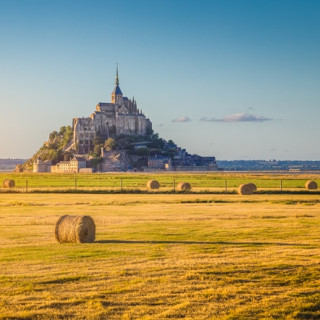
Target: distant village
column 157, row 163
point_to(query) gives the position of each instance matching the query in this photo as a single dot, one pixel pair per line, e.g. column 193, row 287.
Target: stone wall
column 42, row 166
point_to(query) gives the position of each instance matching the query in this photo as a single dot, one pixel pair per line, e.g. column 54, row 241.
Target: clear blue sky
column 234, row 79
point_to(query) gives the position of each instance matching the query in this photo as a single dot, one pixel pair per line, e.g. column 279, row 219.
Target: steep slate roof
column 116, row 90
column 105, row 104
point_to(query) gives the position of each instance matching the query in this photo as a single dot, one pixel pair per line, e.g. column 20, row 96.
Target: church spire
column 116, row 94
column 117, row 77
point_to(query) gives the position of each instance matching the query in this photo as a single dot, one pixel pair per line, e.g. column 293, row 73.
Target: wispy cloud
column 237, row 117
column 182, row 119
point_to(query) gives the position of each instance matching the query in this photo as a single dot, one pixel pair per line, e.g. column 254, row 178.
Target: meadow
column 114, row 182
column 162, row 256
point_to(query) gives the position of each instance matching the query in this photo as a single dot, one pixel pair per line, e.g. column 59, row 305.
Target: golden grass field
column 162, row 256
column 137, row 182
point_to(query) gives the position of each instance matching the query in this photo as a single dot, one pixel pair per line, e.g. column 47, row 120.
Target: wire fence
column 205, row 183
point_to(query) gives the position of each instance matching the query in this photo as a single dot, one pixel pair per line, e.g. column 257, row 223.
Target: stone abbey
column 121, row 116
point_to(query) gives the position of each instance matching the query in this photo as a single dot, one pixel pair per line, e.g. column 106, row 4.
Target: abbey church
column 121, row 116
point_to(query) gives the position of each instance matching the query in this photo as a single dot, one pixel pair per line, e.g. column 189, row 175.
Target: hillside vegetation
column 53, row 149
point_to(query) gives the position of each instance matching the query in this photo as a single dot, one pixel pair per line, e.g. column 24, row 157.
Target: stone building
column 42, row 166
column 74, row 165
column 159, row 162
column 121, row 116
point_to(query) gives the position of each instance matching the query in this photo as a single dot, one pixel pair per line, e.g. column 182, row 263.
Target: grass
column 162, row 256
column 137, row 181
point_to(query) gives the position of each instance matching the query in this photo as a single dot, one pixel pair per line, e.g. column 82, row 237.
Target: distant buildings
column 75, row 165
column 194, row 162
column 159, row 163
column 140, row 145
column 182, row 161
column 292, row 166
column 42, row 166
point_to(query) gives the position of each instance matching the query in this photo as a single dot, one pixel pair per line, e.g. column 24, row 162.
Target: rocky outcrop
column 115, row 161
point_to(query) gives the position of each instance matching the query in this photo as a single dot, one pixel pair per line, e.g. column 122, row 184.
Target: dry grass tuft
column 162, row 256
column 77, row 229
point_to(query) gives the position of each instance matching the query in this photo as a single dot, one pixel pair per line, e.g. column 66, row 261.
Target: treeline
column 272, row 165
column 10, row 164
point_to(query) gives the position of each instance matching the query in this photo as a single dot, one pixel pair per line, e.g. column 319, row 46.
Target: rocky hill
column 116, row 153
column 120, row 152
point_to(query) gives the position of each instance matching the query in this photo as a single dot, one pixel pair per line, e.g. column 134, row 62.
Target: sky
column 231, row 79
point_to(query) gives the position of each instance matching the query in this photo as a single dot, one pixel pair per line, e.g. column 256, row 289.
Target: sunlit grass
column 162, row 257
column 137, row 181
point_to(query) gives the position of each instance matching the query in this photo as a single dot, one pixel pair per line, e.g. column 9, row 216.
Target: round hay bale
column 311, row 185
column 245, row 189
column 8, row 183
column 153, row 184
column 183, row 186
column 77, row 229
column 253, row 186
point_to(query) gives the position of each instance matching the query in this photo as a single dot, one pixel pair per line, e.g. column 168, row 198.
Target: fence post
column 174, row 184
column 280, row 185
column 226, row 186
column 75, row 183
column 26, row 186
column 121, row 184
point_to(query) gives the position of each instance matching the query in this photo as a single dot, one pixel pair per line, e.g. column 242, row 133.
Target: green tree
column 97, row 149
column 53, row 135
column 171, row 144
column 67, row 156
column 110, row 144
column 97, row 140
column 95, row 162
column 62, row 130
column 142, row 152
column 149, row 132
column 52, row 155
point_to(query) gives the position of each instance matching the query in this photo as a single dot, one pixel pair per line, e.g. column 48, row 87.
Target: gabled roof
column 105, row 104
